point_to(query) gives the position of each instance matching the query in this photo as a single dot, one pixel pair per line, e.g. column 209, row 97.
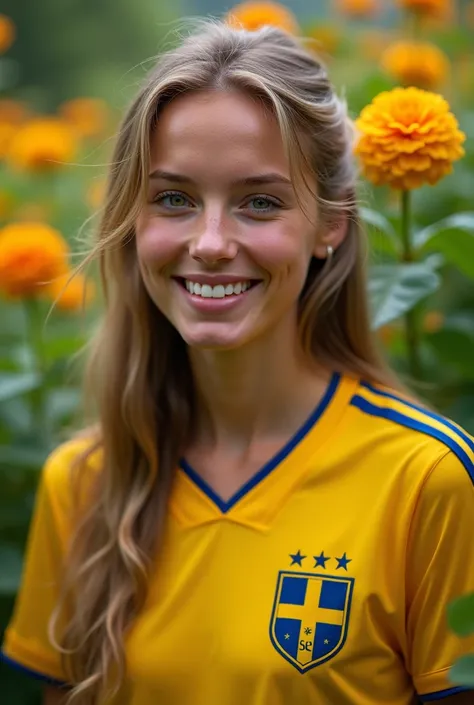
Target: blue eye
column 172, row 200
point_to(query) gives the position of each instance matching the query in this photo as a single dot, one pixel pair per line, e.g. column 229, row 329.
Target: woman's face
column 223, row 245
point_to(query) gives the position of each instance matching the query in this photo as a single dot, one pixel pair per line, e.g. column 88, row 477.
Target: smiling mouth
column 218, row 291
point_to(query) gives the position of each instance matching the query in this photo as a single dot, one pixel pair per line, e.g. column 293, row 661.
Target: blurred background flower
column 88, row 116
column 31, row 254
column 327, row 37
column 70, row 292
column 431, row 8
column 7, row 33
column 253, row 15
column 415, row 63
column 95, row 193
column 408, row 137
column 43, row 144
column 358, row 8
column 13, row 112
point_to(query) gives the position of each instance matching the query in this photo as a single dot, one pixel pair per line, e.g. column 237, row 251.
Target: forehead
column 217, row 132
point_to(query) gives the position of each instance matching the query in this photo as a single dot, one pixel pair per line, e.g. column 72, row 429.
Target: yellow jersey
column 323, row 581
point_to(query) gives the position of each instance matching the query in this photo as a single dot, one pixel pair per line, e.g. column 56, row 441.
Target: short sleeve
column 26, row 643
column 440, row 568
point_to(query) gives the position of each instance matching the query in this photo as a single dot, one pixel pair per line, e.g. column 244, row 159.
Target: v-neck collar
column 195, row 502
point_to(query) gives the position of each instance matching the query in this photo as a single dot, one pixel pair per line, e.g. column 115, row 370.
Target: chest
column 289, row 613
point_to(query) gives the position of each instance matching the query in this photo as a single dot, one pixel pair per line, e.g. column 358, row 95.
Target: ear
column 332, row 235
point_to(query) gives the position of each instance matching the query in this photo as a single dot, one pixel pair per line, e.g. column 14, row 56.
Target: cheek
column 283, row 249
column 157, row 245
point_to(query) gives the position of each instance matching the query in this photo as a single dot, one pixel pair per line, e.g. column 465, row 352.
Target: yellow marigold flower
column 12, row 111
column 408, row 137
column 31, row 254
column 253, row 15
column 7, row 33
column 326, row 37
column 419, row 64
column 71, row 294
column 429, row 8
column 359, row 8
column 89, row 116
column 42, row 144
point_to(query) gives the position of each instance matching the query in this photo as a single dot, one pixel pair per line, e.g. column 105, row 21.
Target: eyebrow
column 270, row 178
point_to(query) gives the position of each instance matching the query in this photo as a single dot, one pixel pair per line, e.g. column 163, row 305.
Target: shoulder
column 59, row 483
column 416, row 432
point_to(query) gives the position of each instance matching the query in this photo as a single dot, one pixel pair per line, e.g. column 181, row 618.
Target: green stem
column 412, row 328
column 34, row 331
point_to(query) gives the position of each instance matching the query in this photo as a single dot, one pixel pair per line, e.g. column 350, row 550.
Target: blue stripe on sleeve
column 397, row 417
column 30, row 672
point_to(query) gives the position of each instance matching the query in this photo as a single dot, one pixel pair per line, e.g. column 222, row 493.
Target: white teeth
column 216, row 292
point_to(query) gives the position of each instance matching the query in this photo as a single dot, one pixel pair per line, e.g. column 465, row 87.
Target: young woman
column 258, row 517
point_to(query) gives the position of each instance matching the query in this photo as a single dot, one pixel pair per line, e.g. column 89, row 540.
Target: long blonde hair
column 138, row 375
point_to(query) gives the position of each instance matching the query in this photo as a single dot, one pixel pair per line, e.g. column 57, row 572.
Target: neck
column 260, row 389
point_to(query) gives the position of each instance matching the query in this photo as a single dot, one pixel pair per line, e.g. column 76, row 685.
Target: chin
column 208, row 339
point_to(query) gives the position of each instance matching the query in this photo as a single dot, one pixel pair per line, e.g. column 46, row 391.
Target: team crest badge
column 310, row 617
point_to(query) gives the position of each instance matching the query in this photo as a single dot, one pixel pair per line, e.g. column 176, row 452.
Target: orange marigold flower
column 42, row 144
column 408, row 137
column 419, row 64
column 7, row 33
column 253, row 15
column 429, row 8
column 89, row 116
column 359, row 8
column 71, row 294
column 31, row 254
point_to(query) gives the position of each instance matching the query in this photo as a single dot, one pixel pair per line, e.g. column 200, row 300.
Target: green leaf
column 462, row 221
column 454, row 349
column 11, row 560
column 396, row 288
column 384, row 238
column 462, row 673
column 63, row 402
column 379, row 221
column 461, row 615
column 21, row 456
column 454, row 238
column 13, row 385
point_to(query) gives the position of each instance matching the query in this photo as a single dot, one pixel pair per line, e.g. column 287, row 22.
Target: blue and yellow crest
column 310, row 617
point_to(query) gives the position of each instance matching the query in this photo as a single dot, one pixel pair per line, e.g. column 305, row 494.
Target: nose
column 213, row 240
